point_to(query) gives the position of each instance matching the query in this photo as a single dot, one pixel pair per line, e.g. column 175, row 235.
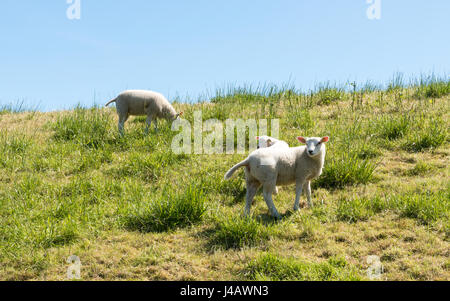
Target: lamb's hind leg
column 252, row 188
column 122, row 119
column 267, row 191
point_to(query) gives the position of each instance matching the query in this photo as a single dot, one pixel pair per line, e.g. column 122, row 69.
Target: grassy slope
column 132, row 210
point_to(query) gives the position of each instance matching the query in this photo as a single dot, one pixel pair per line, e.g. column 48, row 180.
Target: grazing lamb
column 268, row 168
column 138, row 103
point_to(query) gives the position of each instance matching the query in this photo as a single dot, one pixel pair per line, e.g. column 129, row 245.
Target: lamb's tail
column 230, row 173
column 114, row 100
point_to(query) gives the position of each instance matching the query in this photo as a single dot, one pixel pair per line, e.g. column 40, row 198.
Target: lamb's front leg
column 298, row 193
column 149, row 124
column 307, row 188
column 156, row 125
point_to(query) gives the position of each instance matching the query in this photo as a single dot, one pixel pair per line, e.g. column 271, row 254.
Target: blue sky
column 186, row 48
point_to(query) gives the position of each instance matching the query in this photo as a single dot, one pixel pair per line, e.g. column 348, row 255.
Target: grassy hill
column 131, row 209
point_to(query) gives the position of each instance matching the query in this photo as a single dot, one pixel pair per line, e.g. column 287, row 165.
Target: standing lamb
column 268, row 168
column 143, row 103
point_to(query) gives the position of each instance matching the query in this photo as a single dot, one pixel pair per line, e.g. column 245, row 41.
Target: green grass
column 396, row 83
column 432, row 87
column 420, row 169
column 248, row 94
column 168, row 212
column 393, row 127
column 300, row 119
column 13, row 149
column 14, row 144
column 270, row 267
column 239, row 232
column 426, row 208
column 88, row 127
column 327, row 94
column 431, row 135
column 148, row 167
column 346, row 169
column 358, row 209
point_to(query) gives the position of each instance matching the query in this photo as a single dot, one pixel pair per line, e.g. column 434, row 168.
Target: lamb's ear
column 269, row 142
column 325, row 139
column 301, row 139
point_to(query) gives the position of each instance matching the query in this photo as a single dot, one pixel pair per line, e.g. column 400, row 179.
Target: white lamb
column 143, row 103
column 268, row 168
column 266, row 141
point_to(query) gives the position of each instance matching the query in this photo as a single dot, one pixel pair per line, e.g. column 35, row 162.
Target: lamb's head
column 314, row 146
column 173, row 115
column 178, row 115
column 265, row 141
